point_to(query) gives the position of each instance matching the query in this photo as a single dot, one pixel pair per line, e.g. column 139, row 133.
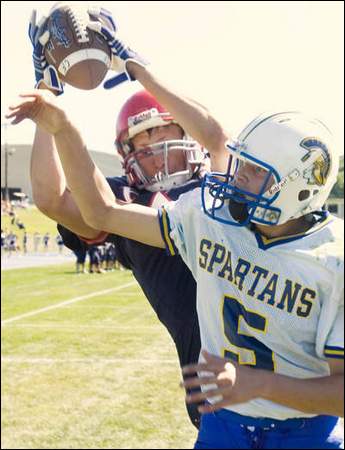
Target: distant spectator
column 46, row 239
column 25, row 242
column 20, row 224
column 59, row 243
column 12, row 243
column 95, row 259
column 37, row 240
column 110, row 256
column 80, row 253
column 102, row 254
column 3, row 241
column 13, row 216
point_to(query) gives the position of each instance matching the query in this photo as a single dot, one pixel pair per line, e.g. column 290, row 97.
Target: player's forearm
column 47, row 176
column 89, row 187
column 133, row 221
column 50, row 192
column 314, row 395
column 193, row 117
column 95, row 199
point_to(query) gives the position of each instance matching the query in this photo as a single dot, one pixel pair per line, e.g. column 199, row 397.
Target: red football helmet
column 142, row 112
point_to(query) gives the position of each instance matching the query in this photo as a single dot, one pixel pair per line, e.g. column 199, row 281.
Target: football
column 81, row 56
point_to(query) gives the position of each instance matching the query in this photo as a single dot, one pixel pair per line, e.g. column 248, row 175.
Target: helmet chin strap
column 238, row 211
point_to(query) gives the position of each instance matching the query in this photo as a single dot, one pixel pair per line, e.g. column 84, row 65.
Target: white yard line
column 87, row 327
column 16, row 360
column 67, row 302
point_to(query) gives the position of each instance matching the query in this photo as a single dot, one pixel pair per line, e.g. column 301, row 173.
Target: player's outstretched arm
column 194, row 118
column 89, row 188
column 49, row 188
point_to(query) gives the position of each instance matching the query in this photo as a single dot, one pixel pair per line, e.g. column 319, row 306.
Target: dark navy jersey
column 166, row 281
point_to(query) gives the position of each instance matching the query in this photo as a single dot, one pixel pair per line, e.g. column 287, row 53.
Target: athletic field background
column 85, row 361
column 86, row 364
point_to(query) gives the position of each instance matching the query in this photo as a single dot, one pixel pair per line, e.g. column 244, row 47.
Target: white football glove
column 44, row 73
column 104, row 24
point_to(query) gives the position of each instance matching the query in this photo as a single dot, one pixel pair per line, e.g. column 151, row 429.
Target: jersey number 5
column 250, row 350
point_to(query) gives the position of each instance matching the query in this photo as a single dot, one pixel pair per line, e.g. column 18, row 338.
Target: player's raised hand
column 44, row 73
column 103, row 23
column 230, row 383
column 41, row 107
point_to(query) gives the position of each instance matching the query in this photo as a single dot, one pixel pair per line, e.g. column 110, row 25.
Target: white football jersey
column 275, row 304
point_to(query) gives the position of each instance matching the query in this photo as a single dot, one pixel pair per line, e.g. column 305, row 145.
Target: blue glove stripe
column 111, row 45
column 118, row 79
column 119, row 47
column 107, row 34
column 38, row 58
column 54, row 80
column 41, row 65
column 31, row 33
column 107, row 14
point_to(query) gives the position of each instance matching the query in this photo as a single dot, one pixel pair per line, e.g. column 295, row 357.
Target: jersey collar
column 323, row 218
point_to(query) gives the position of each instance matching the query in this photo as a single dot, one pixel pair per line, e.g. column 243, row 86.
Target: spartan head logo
column 318, row 172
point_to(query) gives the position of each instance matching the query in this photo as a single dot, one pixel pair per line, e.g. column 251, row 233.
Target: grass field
column 97, row 372
column 33, row 220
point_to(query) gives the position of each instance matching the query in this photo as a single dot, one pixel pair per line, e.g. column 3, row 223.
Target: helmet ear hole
column 315, row 192
column 303, row 195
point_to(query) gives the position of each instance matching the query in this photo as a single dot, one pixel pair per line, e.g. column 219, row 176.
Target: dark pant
column 227, row 430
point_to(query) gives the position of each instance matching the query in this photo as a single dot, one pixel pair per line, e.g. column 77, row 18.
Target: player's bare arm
column 89, row 187
column 49, row 189
column 50, row 192
column 238, row 383
column 193, row 117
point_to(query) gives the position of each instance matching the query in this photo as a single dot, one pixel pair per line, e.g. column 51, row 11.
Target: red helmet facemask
column 142, row 112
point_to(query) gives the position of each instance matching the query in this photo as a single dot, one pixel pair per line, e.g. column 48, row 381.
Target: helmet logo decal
column 141, row 117
column 279, row 186
column 318, row 172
